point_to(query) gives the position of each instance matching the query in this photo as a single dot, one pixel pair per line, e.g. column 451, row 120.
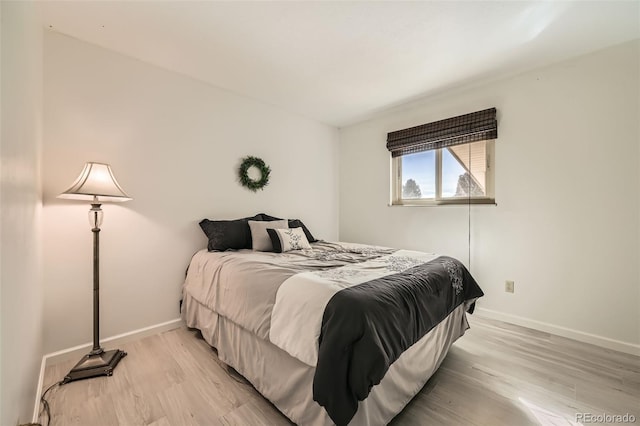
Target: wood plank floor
column 497, row 374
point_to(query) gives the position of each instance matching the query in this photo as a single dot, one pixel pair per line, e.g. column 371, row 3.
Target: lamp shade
column 96, row 183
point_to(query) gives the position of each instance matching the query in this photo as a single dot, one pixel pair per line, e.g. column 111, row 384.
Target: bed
column 330, row 332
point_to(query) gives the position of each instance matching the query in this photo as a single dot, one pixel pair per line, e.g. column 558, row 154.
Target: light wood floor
column 497, row 374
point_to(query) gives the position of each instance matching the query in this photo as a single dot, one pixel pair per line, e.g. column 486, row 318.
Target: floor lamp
column 96, row 184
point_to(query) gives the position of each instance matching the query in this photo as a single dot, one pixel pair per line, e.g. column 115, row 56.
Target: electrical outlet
column 509, row 286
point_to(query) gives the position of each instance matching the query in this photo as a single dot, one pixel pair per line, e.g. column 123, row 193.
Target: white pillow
column 288, row 239
column 260, row 240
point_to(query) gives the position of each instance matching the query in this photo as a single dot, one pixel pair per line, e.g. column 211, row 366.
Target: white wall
column 20, row 210
column 174, row 144
column 566, row 225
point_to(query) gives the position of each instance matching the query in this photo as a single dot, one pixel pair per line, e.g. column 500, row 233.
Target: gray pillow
column 260, row 239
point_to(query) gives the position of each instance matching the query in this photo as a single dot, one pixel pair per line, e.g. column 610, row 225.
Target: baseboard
column 39, row 389
column 605, row 342
column 79, row 351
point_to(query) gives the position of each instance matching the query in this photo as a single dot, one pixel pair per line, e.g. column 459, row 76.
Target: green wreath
column 246, row 181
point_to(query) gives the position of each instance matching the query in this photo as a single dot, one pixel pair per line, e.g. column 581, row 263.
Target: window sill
column 434, row 203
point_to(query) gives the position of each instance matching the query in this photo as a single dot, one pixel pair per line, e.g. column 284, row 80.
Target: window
column 450, row 175
column 445, row 162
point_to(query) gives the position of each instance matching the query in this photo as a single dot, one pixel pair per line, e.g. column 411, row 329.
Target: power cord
column 231, row 372
column 45, row 403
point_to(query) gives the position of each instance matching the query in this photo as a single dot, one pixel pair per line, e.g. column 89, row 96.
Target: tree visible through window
column 411, row 189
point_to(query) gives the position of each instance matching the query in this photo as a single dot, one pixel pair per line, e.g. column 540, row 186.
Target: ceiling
column 342, row 62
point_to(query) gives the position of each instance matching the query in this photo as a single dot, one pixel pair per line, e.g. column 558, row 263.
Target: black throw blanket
column 365, row 328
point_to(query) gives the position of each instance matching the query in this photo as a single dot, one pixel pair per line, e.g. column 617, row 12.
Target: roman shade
column 476, row 126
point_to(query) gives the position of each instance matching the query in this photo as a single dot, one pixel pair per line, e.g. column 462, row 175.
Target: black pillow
column 228, row 234
column 266, row 217
column 293, row 223
column 297, row 223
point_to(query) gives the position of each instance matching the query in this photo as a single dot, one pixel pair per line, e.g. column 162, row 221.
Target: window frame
column 396, row 183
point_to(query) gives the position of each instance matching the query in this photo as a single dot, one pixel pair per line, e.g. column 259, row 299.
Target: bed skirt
column 287, row 382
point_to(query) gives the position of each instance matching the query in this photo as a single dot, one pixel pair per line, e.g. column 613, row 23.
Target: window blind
column 467, row 128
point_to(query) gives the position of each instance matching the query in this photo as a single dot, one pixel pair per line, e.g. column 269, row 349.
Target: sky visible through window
column 421, row 167
column 451, row 171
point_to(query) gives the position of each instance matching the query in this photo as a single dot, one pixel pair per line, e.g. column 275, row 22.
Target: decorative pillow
column 297, row 223
column 288, row 239
column 259, row 237
column 293, row 223
column 228, row 234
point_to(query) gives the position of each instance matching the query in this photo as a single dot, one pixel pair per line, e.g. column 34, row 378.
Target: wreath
column 246, row 181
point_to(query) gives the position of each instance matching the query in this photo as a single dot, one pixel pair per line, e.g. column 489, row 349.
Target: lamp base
column 93, row 365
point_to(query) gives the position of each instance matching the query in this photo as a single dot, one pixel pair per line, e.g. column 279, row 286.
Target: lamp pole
column 96, row 279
